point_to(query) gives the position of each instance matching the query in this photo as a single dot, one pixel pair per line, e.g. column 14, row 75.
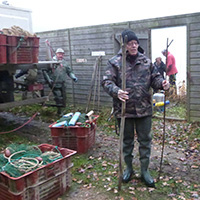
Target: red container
column 22, row 50
column 35, row 87
column 47, row 182
column 3, row 53
column 80, row 139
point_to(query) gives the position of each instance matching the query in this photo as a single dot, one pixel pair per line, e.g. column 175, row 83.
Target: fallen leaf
column 172, row 195
column 165, row 184
column 194, row 167
column 81, row 170
column 181, row 197
column 166, row 179
column 182, row 159
column 89, row 186
column 115, row 191
column 179, row 181
column 142, row 189
column 151, row 189
column 172, row 142
column 109, row 179
column 115, row 166
column 89, row 167
column 80, row 181
column 104, row 164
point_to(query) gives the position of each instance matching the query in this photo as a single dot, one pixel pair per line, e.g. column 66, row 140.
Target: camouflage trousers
column 59, row 92
column 172, row 79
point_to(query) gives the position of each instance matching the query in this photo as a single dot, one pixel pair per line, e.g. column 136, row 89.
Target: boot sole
column 127, row 180
column 148, row 184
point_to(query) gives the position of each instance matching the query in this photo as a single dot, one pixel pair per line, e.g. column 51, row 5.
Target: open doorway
column 178, row 47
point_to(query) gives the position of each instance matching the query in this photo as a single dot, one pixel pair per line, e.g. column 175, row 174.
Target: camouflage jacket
column 61, row 71
column 140, row 76
column 58, row 72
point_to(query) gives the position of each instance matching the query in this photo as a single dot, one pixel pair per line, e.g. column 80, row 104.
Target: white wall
column 10, row 16
column 178, row 47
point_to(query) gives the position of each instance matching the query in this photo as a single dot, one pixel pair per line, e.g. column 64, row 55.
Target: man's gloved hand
column 75, row 79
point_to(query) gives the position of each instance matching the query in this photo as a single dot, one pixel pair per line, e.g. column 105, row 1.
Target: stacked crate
column 47, row 182
column 3, row 49
column 18, row 49
column 78, row 138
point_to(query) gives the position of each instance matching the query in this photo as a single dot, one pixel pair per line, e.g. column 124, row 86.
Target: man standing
column 56, row 78
column 140, row 76
column 171, row 69
column 161, row 67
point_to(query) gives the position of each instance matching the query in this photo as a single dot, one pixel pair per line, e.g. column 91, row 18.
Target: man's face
column 59, row 55
column 164, row 53
column 132, row 47
column 158, row 60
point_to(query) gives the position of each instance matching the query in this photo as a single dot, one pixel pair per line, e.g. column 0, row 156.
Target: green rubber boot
column 128, row 172
column 128, row 159
column 145, row 175
column 147, row 179
column 128, row 146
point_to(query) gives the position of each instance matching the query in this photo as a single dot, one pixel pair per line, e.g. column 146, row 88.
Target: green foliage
column 176, row 110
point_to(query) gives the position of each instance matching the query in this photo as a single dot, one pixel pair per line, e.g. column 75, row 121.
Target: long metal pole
column 164, row 115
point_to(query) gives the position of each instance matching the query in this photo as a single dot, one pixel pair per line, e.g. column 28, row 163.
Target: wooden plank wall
column 80, row 42
column 194, row 69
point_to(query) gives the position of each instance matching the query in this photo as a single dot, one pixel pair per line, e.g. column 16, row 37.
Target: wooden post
column 70, row 56
column 123, row 109
column 93, row 82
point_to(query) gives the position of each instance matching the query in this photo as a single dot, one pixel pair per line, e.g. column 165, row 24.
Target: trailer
column 18, row 53
column 9, row 84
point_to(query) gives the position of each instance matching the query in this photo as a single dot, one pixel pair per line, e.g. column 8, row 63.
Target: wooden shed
column 84, row 46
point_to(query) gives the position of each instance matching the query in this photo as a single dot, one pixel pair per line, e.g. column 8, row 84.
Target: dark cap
column 130, row 35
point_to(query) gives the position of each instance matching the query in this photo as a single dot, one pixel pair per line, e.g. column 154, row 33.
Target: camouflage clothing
column 58, row 72
column 140, row 76
column 56, row 78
